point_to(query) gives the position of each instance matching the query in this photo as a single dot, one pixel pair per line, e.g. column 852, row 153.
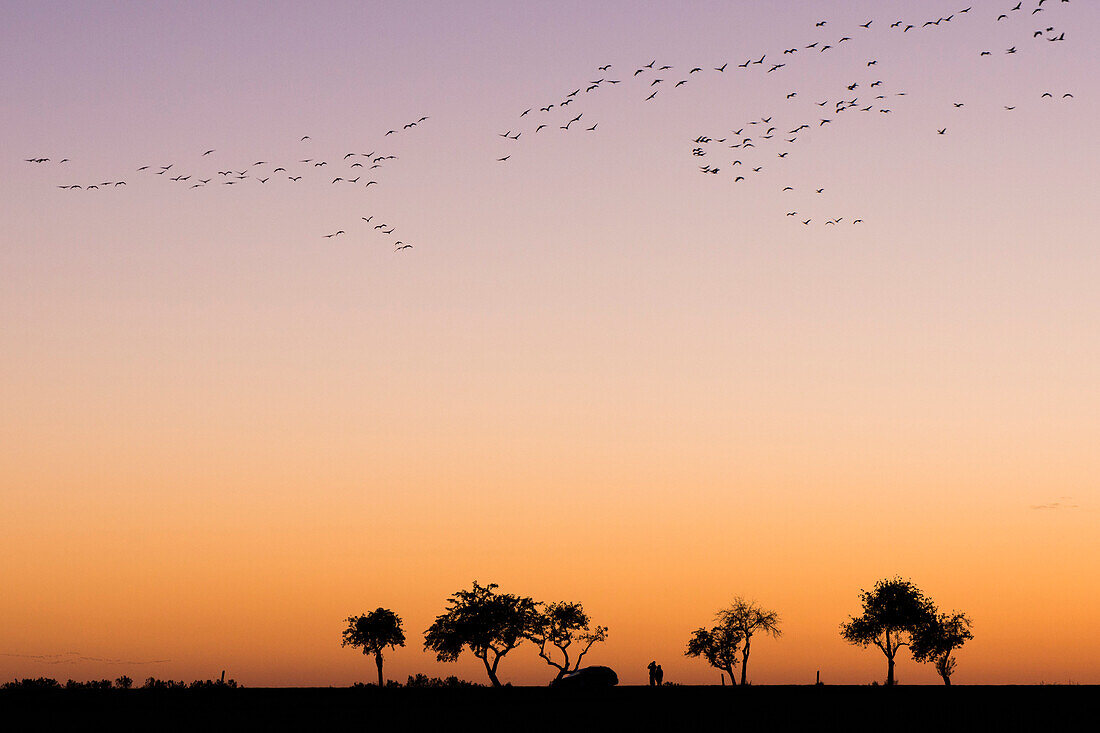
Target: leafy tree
column 560, row 625
column 936, row 640
column 749, row 618
column 893, row 611
column 718, row 646
column 373, row 632
column 488, row 623
column 124, row 683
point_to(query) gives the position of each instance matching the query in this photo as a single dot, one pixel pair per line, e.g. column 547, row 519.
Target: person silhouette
column 652, row 673
column 659, row 675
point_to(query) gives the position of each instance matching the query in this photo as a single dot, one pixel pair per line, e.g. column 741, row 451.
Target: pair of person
column 656, row 674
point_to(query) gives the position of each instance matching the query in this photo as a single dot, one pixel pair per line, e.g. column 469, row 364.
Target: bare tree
column 749, row 618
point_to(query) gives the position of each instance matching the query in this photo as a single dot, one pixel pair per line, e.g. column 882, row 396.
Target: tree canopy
column 937, row 639
column 559, row 626
column 892, row 613
column 749, row 618
column 488, row 623
column 718, row 646
column 373, row 633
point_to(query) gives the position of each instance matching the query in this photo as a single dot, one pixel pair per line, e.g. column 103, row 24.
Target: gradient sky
column 599, row 376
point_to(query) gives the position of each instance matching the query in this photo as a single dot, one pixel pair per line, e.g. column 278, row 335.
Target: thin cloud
column 73, row 657
column 1055, row 505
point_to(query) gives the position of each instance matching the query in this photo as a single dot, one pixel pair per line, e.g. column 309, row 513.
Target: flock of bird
column 358, row 169
column 765, row 141
column 742, row 153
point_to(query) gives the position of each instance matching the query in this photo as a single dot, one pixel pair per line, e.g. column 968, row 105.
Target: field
column 766, row 708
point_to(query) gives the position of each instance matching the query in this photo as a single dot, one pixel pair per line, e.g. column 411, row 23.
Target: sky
column 599, row 375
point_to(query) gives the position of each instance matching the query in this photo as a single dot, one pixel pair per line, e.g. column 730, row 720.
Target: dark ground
column 763, row 708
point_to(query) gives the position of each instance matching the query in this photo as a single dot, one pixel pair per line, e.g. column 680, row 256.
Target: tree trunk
column 889, row 650
column 744, row 662
column 491, row 670
column 378, row 661
column 947, row 679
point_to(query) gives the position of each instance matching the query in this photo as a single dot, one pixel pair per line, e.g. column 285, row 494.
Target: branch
column 551, row 662
column 584, row 651
column 565, row 656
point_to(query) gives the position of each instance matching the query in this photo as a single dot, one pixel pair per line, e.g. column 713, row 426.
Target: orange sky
column 164, row 540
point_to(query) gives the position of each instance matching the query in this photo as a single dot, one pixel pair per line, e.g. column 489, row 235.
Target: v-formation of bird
column 756, row 140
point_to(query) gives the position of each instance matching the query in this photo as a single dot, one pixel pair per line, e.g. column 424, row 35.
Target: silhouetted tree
column 490, row 624
column 892, row 612
column 152, row 683
column 373, row 632
column 124, row 683
column 37, row 683
column 749, row 618
column 718, row 646
column 937, row 638
column 88, row 685
column 423, row 680
column 561, row 625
